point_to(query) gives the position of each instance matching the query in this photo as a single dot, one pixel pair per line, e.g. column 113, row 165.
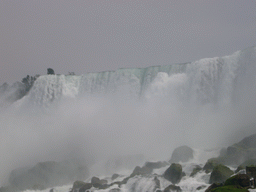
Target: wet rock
column 172, row 188
column 196, row 170
column 220, row 173
column 173, row 173
column 95, row 180
column 210, row 164
column 182, row 154
column 114, row 176
column 242, row 180
column 157, row 183
column 115, row 190
column 248, row 162
column 84, row 187
column 213, row 186
column 201, row 187
column 141, row 171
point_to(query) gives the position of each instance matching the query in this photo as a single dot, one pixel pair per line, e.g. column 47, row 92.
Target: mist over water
column 204, row 104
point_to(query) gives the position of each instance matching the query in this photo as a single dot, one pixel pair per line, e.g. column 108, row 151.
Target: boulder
column 84, row 188
column 182, row 154
column 213, row 186
column 201, row 187
column 242, row 180
column 81, row 186
column 173, row 173
column 157, row 183
column 220, row 173
column 95, row 180
column 115, row 190
column 195, row 170
column 210, row 164
column 249, row 162
column 172, row 188
column 141, row 171
column 114, row 176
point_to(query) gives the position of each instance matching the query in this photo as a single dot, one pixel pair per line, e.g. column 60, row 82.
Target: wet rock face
column 242, row 180
column 141, row 171
column 172, row 188
column 182, row 154
column 195, row 171
column 173, row 173
column 220, row 173
column 210, row 164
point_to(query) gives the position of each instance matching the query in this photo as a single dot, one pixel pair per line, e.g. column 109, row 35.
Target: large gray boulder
column 220, row 174
column 182, row 154
column 239, row 152
column 174, row 173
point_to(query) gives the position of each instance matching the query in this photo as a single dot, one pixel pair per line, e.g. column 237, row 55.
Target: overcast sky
column 93, row 36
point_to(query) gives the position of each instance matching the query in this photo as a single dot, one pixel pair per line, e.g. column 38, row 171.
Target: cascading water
column 131, row 111
column 212, row 80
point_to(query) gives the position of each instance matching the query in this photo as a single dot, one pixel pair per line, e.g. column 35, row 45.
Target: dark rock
column 251, row 171
column 81, row 186
column 156, row 165
column 172, row 188
column 141, row 171
column 182, row 154
column 213, row 186
column 241, row 151
column 242, row 180
column 50, row 71
column 228, row 188
column 200, row 187
column 249, row 162
column 95, row 180
column 195, row 170
column 208, row 167
column 220, row 173
column 173, row 173
column 157, row 183
column 114, row 176
column 78, row 184
column 115, row 190
column 85, row 187
column 99, row 183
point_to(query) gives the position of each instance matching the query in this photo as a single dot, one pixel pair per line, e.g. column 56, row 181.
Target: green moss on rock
column 229, row 189
column 242, row 180
column 220, row 173
column 210, row 164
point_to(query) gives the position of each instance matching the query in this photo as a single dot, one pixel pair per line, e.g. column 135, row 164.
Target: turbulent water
column 205, row 104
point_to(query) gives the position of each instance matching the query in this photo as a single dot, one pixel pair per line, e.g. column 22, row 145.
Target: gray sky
column 92, row 36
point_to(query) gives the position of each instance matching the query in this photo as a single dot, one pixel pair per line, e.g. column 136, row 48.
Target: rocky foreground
column 233, row 170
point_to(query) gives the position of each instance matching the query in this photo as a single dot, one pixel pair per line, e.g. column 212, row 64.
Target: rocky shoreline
column 240, row 156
